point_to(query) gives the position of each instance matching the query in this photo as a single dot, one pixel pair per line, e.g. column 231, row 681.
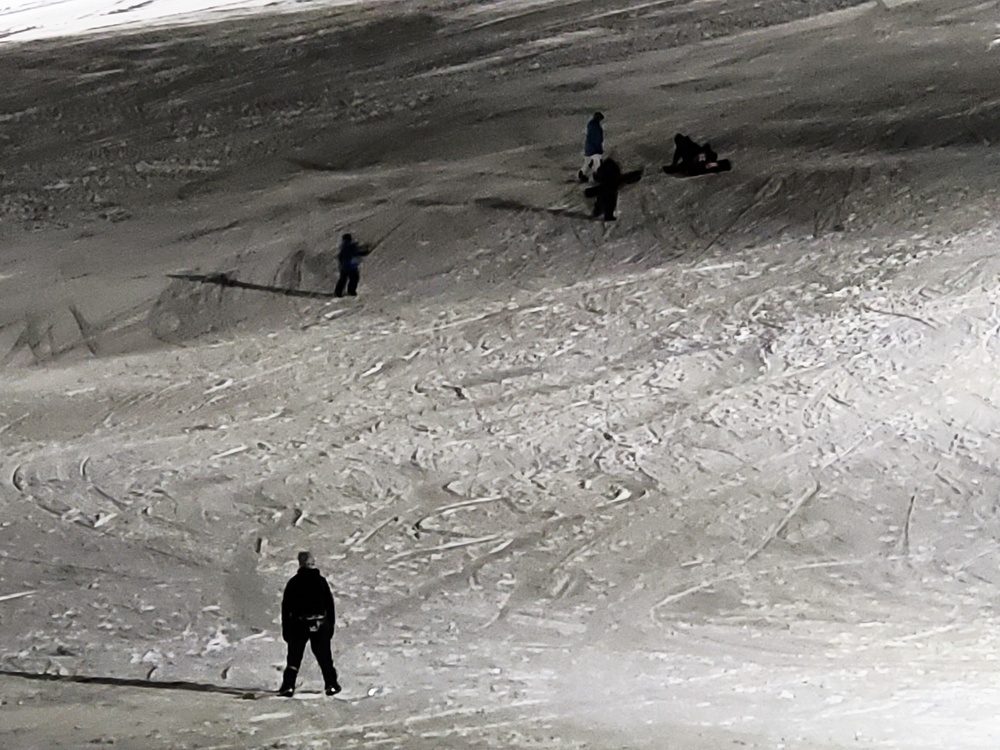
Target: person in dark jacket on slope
column 593, row 147
column 308, row 616
column 349, row 259
column 691, row 159
column 609, row 179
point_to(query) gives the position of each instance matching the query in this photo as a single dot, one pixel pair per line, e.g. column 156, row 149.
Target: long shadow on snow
column 197, row 687
column 506, row 204
column 225, row 279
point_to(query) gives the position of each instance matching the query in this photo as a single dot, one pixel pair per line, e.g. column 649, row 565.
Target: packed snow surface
column 719, row 474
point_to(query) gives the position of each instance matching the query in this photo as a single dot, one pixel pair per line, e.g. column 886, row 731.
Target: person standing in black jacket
column 609, row 179
column 308, row 616
column 349, row 260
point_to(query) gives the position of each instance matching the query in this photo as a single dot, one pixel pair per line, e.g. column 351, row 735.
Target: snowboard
column 722, row 165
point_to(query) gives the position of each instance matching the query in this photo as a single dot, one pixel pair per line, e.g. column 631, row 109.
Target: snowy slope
column 718, row 474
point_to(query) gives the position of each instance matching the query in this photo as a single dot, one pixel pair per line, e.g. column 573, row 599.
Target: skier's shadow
column 508, row 204
column 197, row 687
column 226, row 279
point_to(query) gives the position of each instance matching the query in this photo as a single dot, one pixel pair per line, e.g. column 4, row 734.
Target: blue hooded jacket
column 595, row 138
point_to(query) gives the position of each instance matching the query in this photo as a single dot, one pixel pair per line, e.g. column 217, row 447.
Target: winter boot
column 332, row 683
column 287, row 688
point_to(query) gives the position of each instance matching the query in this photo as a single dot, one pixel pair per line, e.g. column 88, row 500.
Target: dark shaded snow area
column 719, row 474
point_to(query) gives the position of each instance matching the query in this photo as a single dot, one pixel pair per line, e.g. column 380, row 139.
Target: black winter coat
column 609, row 175
column 307, row 606
column 350, row 255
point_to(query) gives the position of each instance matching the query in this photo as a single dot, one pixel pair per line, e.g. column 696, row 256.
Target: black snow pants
column 607, row 202
column 349, row 278
column 320, row 644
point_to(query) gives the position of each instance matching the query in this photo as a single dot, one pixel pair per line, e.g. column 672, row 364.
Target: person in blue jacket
column 349, row 260
column 593, row 147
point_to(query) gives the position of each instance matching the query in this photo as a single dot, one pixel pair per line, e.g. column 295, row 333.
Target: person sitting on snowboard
column 691, row 158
